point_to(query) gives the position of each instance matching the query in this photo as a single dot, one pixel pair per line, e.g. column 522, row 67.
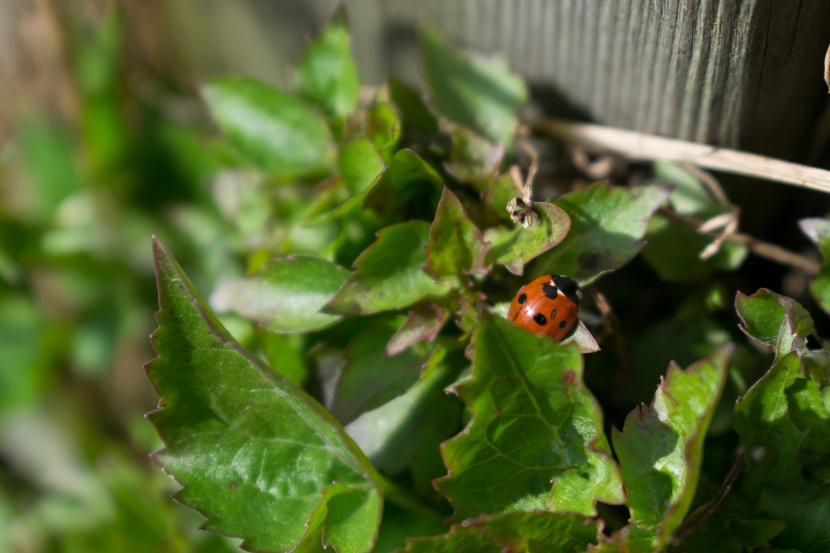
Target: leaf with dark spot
column 607, row 228
column 536, row 439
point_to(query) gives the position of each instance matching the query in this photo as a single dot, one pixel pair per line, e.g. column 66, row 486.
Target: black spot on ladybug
column 540, row 319
column 522, row 298
column 550, row 290
column 569, row 288
column 553, row 314
column 563, row 324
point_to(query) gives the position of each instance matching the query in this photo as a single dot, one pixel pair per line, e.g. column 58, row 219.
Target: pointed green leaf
column 407, row 178
column 370, row 377
column 473, row 158
column 818, row 230
column 777, row 414
column 286, row 295
column 778, row 322
column 455, row 246
column 327, row 74
column 256, row 456
column 360, row 164
column 424, row 322
column 276, row 131
column 515, row 245
column 474, row 91
column 388, row 274
column 607, row 228
column 414, row 112
column 536, row 439
column 392, row 434
column 661, row 446
column 383, row 126
column 518, row 532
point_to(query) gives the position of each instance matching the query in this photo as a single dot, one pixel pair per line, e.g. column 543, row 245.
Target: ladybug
column 547, row 306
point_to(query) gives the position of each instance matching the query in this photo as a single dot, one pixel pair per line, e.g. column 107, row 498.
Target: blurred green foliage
column 356, row 258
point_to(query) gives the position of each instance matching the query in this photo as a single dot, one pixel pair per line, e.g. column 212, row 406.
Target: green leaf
column 383, row 126
column 777, row 414
column 514, row 246
column 775, row 321
column 660, row 449
column 455, row 246
column 607, row 228
column 473, row 158
column 256, row 456
column 286, row 295
column 474, row 91
column 408, row 178
column 414, row 112
column 360, row 164
column 327, row 74
column 392, row 434
column 533, row 423
column 277, row 132
column 818, row 230
column 388, row 274
column 370, row 377
column 517, row 532
column 424, row 322
column 804, row 504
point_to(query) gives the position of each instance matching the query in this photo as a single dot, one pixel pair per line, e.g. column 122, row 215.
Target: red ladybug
column 548, row 306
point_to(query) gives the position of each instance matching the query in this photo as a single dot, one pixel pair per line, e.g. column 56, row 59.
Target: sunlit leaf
column 536, row 439
column 778, row 322
column 388, row 274
column 286, row 295
column 383, row 126
column 608, row 224
column 456, row 246
column 360, row 164
column 478, row 92
column 256, row 456
column 276, row 131
column 326, row 74
column 514, row 245
column 407, row 177
column 660, row 448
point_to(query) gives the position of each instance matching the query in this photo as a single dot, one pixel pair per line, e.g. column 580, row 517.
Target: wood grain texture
column 735, row 73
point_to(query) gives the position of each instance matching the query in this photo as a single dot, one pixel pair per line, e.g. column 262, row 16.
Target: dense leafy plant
column 371, row 390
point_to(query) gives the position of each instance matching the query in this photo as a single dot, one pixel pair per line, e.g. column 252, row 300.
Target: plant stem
column 710, row 507
column 760, row 248
column 407, row 500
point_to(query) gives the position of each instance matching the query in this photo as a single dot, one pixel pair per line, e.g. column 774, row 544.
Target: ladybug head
column 569, row 287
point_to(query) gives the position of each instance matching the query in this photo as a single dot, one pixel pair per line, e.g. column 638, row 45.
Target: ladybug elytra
column 548, row 306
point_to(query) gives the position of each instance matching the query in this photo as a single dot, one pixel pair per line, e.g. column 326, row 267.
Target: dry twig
column 641, row 146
